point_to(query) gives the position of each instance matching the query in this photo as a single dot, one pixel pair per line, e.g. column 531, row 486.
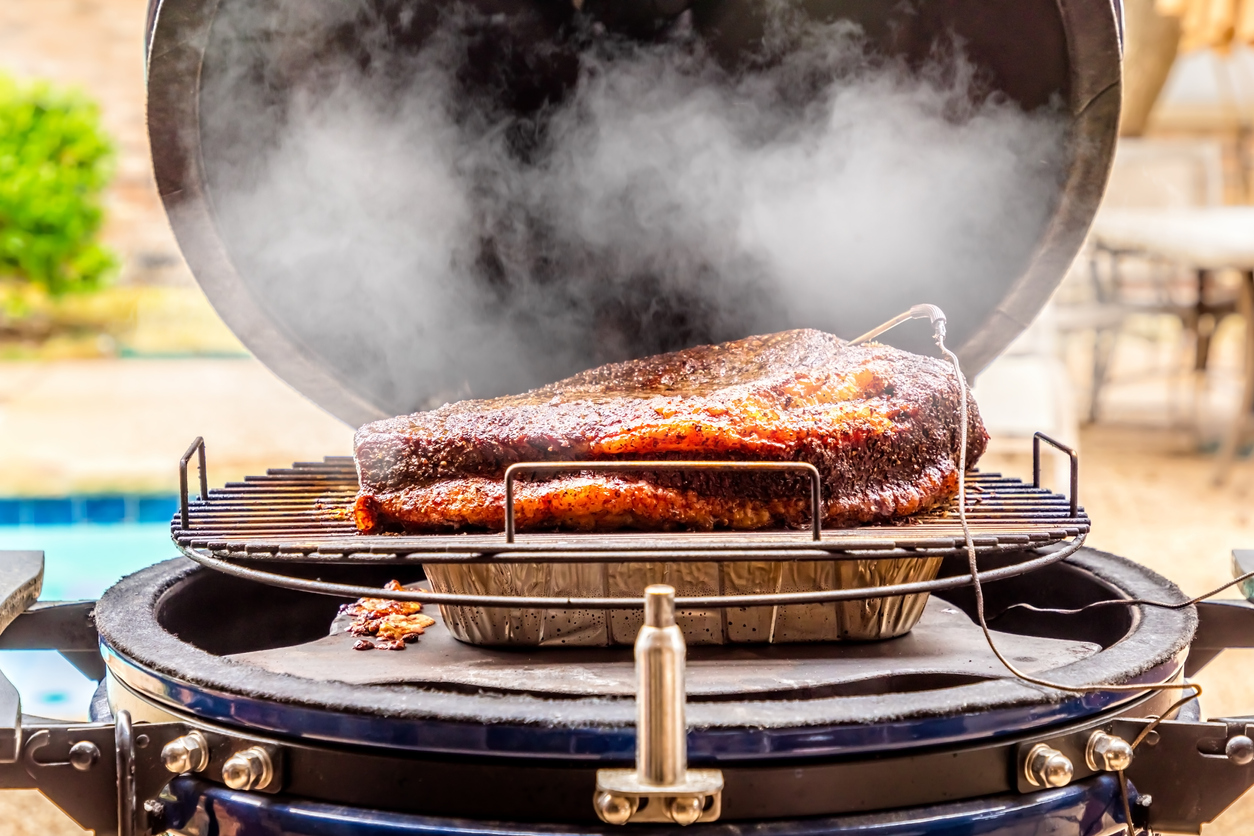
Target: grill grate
column 301, row 514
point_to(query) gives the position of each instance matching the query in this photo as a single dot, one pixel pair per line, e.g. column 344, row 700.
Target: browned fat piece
column 881, row 425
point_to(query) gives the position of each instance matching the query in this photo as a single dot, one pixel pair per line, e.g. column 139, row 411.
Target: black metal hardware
column 196, row 446
column 100, row 774
column 1074, row 495
column 1189, row 770
column 816, row 481
column 67, row 627
column 1221, row 625
column 87, row 796
column 21, row 578
column 1183, row 768
column 10, row 721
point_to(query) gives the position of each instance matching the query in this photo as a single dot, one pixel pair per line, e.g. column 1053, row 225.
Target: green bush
column 55, row 161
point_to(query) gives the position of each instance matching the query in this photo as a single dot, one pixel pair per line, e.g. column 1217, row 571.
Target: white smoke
column 433, row 245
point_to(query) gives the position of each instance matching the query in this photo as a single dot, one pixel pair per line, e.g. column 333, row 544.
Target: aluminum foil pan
column 874, row 618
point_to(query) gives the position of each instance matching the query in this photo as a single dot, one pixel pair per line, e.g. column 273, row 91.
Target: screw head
column 613, row 808
column 250, row 769
column 189, row 753
column 1047, row 767
column 84, row 755
column 1107, row 753
column 686, row 809
column 1240, row 750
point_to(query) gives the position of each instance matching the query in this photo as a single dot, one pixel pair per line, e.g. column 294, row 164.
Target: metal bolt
column 1240, row 750
column 686, row 809
column 250, row 769
column 1107, row 753
column 1047, row 767
column 84, row 755
column 615, row 809
column 189, row 753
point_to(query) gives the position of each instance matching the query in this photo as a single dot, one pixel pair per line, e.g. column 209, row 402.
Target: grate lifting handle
column 197, row 446
column 1074, row 494
column 511, row 473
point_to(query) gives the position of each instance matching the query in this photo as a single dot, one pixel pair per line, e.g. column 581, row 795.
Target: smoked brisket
column 880, row 424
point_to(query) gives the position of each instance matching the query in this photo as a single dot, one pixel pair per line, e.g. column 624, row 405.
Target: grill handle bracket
column 1073, row 495
column 661, row 789
column 511, row 474
column 197, row 446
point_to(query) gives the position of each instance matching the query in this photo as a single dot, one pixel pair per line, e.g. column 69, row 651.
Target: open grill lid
column 225, row 77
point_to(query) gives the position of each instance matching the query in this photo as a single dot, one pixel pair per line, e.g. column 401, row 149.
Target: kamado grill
column 232, row 701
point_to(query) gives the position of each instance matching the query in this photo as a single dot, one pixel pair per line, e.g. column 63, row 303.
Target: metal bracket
column 1220, row 625
column 21, row 579
column 661, row 789
column 1191, row 772
column 1186, row 772
column 68, row 627
column 197, row 446
column 1074, row 494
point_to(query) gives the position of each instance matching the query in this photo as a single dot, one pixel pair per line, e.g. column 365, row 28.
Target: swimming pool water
column 80, row 561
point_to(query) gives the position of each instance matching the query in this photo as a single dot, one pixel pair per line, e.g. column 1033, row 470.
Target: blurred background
column 1144, row 361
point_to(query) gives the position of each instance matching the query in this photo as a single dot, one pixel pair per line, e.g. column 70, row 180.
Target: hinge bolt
column 250, row 769
column 1107, row 753
column 615, row 809
column 1047, row 767
column 189, row 753
column 685, row 810
column 1240, row 750
column 84, row 755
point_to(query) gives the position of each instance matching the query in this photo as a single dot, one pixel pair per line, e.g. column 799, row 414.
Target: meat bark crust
column 880, row 424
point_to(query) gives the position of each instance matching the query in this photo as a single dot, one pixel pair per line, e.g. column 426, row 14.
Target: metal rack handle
column 511, row 472
column 197, row 446
column 1073, row 496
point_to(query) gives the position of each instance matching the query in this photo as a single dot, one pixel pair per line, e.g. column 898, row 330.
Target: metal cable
column 1115, row 602
column 1193, row 688
column 972, row 563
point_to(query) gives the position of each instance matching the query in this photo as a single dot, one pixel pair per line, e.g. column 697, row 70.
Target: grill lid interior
column 308, row 271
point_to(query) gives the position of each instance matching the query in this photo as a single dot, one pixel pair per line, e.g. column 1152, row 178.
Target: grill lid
column 397, row 204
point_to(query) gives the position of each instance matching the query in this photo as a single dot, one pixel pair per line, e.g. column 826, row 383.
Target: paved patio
column 103, row 426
